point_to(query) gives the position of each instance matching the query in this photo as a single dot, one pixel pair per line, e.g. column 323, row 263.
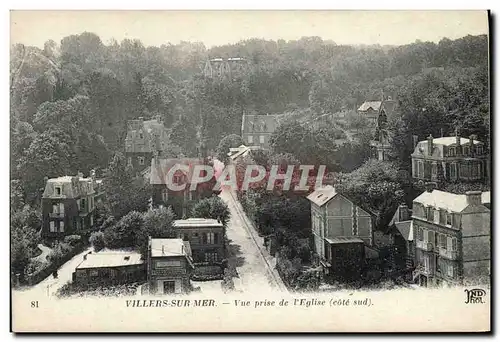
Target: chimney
column 415, row 141
column 85, row 257
column 473, row 197
column 442, row 132
column 472, row 137
column 457, row 140
column 92, row 174
column 45, row 179
column 80, row 175
column 430, row 186
column 404, row 213
column 430, row 146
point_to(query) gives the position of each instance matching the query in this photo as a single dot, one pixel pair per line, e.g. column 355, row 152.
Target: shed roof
column 114, row 258
column 169, row 247
column 197, row 222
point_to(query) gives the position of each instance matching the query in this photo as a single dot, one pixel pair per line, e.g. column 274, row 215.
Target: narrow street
column 254, row 265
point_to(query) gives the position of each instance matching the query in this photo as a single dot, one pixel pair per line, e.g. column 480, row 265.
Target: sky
column 226, row 27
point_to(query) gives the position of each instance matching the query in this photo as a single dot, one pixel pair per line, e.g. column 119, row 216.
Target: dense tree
column 231, row 140
column 158, row 223
column 213, row 207
column 124, row 234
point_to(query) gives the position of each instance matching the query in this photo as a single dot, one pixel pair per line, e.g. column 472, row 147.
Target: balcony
column 425, row 246
column 56, row 215
column 446, row 253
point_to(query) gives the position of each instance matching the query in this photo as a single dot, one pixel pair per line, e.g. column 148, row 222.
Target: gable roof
column 322, row 195
column 406, row 229
column 375, row 105
column 160, row 168
column 261, row 123
column 71, row 187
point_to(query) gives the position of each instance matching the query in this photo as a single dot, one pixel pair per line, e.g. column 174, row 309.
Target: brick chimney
column 430, row 144
column 473, row 197
column 457, row 142
column 472, row 137
column 430, row 186
column 404, row 213
column 415, row 141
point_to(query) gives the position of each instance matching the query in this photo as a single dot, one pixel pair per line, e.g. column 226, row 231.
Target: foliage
column 59, row 251
column 97, row 240
column 158, row 223
column 213, row 207
column 73, row 240
column 125, row 232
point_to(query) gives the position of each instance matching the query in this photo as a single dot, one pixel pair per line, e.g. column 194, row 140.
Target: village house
column 450, row 159
column 372, row 109
column 68, row 205
column 169, row 266
column 180, row 200
column 342, row 232
column 110, row 267
column 256, row 130
column 452, row 234
column 144, row 139
column 230, row 67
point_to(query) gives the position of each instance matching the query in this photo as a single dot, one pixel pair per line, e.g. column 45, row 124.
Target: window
column 140, row 160
column 261, row 139
column 476, row 170
column 164, row 195
column 449, row 218
column 466, row 150
column 480, row 150
column 453, row 171
column 430, row 236
column 129, row 161
column 464, row 170
column 450, row 270
column 141, row 135
column 434, row 169
column 185, row 237
column 452, row 244
column 436, row 216
column 420, row 234
column 57, row 190
column 78, row 223
column 250, row 139
column 451, row 152
column 211, row 257
column 420, row 169
column 216, row 238
column 211, row 238
column 442, row 241
column 83, row 204
column 78, row 204
column 204, row 238
column 94, row 273
column 61, row 226
column 52, row 226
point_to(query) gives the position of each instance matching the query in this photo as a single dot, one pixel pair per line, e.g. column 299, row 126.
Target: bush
column 35, row 266
column 60, row 251
column 97, row 241
column 73, row 239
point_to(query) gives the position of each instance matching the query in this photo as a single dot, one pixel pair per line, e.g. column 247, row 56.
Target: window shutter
column 449, row 243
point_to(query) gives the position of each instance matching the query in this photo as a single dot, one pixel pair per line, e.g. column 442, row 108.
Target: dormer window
column 466, row 150
column 480, row 149
column 141, row 135
column 57, row 190
column 140, row 160
column 451, row 152
column 449, row 218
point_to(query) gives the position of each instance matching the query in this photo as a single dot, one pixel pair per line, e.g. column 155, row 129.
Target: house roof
column 406, row 229
column 197, row 222
column 111, row 258
column 155, row 136
column 160, row 168
column 343, row 239
column 443, row 200
column 439, row 144
column 71, row 187
column 375, row 105
column 322, row 195
column 169, row 247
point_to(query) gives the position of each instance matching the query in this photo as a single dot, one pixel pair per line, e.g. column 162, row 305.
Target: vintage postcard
column 250, row 171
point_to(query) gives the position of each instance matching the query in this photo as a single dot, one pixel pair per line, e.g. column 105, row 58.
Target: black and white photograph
column 251, row 171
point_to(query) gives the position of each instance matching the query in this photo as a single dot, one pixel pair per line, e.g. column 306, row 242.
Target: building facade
column 206, row 238
column 452, row 235
column 372, row 109
column 256, row 130
column 144, row 139
column 182, row 199
column 68, row 205
column 450, row 159
column 335, row 218
column 169, row 266
column 110, row 268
